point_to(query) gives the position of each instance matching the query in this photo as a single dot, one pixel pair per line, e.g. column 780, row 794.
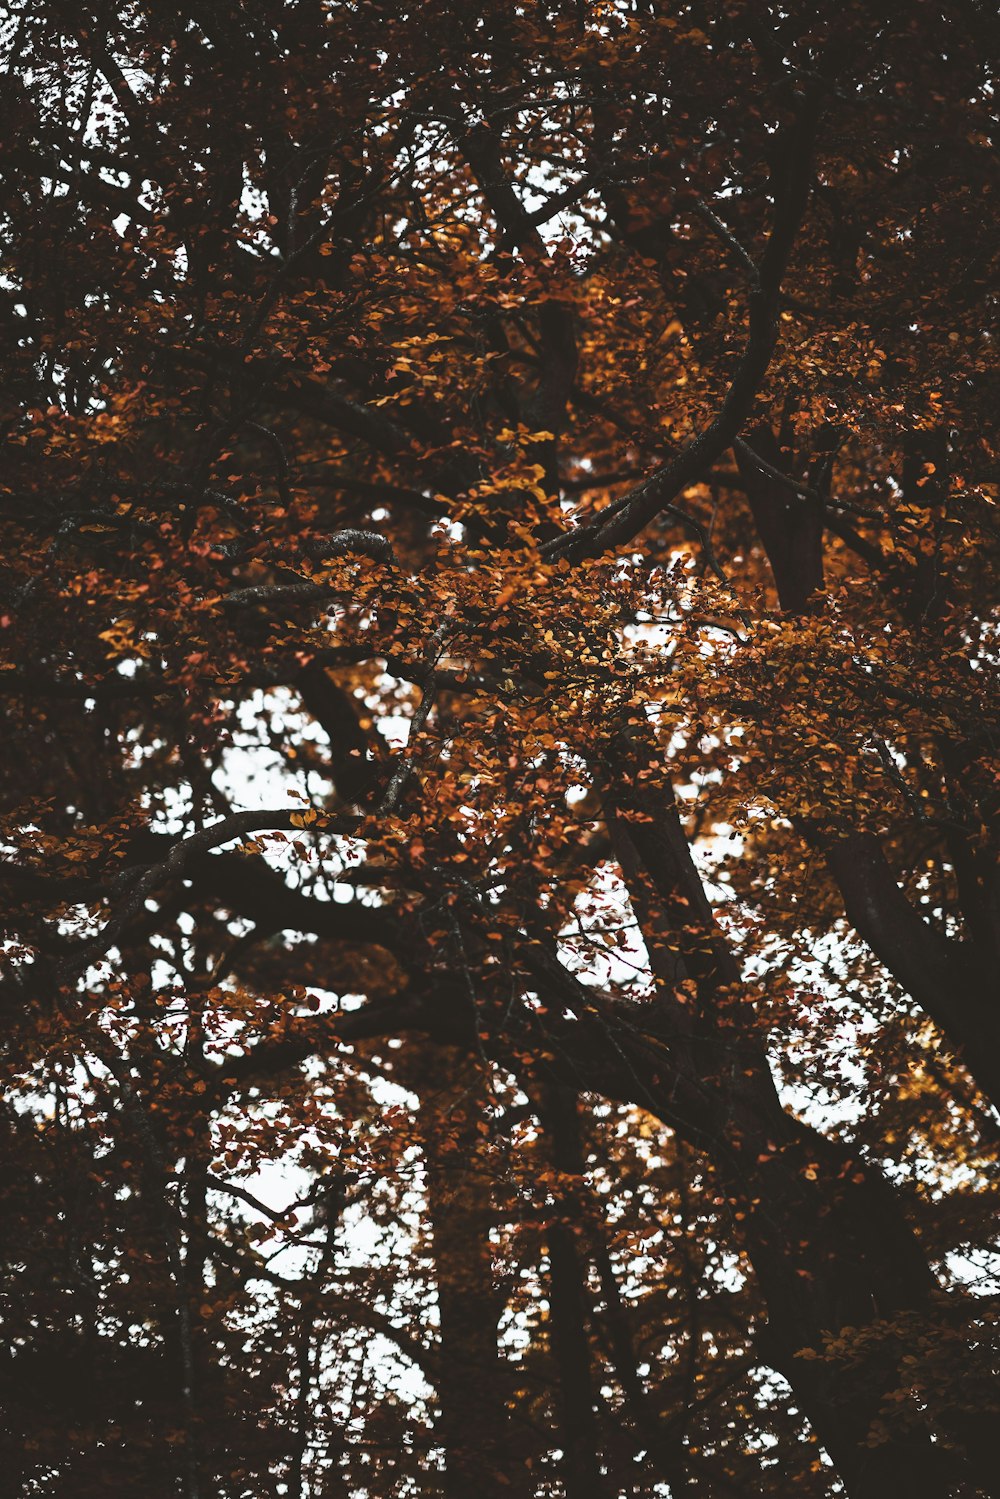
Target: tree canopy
column 501, row 858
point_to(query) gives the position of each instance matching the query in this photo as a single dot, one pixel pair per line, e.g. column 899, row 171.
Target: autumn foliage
column 500, row 832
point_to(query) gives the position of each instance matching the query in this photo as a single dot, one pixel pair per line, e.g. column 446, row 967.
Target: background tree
column 500, row 805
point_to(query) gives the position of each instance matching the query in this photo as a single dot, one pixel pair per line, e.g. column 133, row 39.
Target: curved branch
column 625, row 517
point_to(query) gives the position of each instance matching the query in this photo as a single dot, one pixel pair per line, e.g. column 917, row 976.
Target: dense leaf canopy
column 500, row 800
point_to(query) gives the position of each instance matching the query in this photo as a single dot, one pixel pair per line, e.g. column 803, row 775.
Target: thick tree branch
column 481, row 147
column 626, row 517
column 790, row 526
column 177, row 863
column 944, row 976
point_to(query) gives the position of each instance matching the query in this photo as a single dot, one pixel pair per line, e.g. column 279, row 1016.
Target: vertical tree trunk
column 472, row 1388
column 578, row 1425
column 790, row 525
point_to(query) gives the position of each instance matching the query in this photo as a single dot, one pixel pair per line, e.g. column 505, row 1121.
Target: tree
column 500, row 814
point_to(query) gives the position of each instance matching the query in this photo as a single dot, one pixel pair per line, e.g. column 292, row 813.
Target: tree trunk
column 474, row 1425
column 578, row 1425
column 824, row 1233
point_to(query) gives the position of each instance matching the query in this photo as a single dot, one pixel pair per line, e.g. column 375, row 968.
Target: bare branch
column 728, row 238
